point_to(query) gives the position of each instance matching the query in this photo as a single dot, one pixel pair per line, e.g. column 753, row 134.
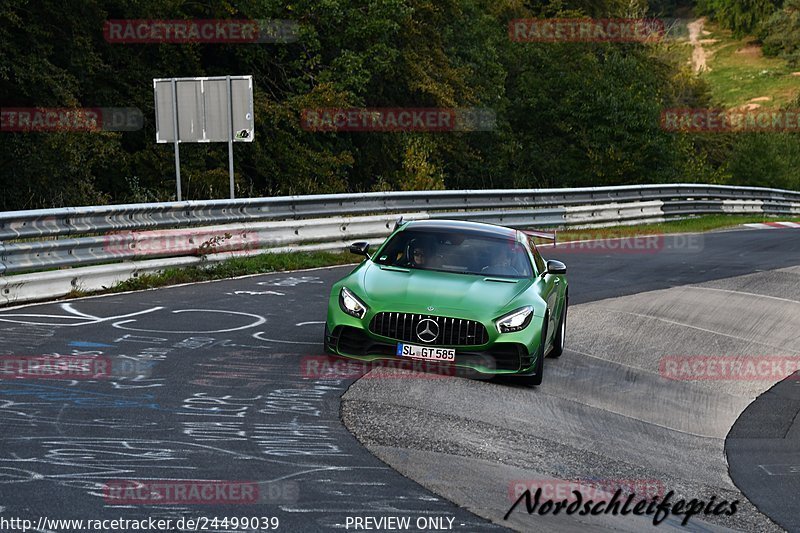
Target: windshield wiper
column 394, row 268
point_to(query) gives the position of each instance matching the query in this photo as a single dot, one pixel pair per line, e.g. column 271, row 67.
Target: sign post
column 216, row 109
column 175, row 128
column 230, row 133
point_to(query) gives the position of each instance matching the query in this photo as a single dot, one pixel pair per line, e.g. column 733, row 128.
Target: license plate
column 426, row 352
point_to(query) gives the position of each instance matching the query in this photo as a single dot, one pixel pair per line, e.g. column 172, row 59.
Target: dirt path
column 698, row 54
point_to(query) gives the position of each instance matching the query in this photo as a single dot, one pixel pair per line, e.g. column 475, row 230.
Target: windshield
column 461, row 253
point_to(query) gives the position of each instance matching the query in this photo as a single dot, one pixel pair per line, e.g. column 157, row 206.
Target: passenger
column 502, row 262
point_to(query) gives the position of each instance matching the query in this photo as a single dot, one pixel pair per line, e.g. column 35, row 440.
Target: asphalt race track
column 221, row 381
column 763, row 449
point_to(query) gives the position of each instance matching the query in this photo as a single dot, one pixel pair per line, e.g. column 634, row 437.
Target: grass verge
column 739, row 73
column 689, row 225
column 237, row 266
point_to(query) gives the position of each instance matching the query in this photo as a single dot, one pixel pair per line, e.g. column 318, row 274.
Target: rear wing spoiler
column 541, row 235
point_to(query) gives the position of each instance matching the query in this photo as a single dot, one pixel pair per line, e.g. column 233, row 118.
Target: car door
column 549, row 291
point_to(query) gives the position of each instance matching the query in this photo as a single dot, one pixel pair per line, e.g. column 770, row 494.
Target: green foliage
column 780, row 33
column 766, row 160
column 670, row 8
column 741, row 16
column 568, row 114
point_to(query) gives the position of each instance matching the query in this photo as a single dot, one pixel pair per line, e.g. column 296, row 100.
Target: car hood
column 416, row 290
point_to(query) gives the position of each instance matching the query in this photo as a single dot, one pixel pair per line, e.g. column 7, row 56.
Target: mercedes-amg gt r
column 464, row 294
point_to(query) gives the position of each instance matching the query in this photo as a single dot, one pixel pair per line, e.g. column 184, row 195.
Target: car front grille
column 449, row 331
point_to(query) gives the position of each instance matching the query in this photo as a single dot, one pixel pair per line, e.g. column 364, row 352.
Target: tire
column 536, row 378
column 558, row 342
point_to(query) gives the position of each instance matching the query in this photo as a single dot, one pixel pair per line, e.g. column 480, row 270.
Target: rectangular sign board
column 203, row 107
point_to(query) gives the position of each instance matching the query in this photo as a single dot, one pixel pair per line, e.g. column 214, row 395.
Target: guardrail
column 139, row 238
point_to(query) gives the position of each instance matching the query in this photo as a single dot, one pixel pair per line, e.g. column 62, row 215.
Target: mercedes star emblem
column 427, row 330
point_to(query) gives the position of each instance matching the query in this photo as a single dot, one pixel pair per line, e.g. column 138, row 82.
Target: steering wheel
column 510, row 270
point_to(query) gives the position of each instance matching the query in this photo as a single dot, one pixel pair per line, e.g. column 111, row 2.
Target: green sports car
column 461, row 294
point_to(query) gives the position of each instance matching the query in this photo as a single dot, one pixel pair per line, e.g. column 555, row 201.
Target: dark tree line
column 568, row 114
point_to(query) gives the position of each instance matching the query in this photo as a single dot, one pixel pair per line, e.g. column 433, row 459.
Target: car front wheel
column 538, row 369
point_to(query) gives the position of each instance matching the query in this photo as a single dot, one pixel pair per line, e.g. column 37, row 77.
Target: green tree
column 741, row 16
column 569, row 114
column 780, row 33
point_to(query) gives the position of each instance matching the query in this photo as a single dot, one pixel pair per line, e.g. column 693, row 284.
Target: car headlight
column 515, row 320
column 351, row 304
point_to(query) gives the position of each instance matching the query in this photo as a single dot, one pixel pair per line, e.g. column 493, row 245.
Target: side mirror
column 359, row 248
column 556, row 267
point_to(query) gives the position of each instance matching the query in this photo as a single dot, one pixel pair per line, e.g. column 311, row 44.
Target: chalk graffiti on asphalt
column 72, row 317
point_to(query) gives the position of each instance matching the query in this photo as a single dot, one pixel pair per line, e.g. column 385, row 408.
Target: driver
column 419, row 254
